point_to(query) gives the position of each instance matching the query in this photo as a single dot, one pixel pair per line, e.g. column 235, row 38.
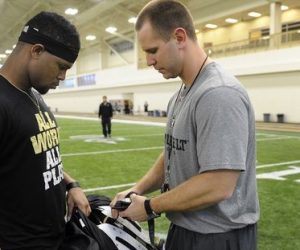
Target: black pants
column 106, row 126
column 239, row 239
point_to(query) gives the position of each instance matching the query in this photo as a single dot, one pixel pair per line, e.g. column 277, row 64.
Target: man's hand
column 136, row 210
column 119, row 196
column 77, row 198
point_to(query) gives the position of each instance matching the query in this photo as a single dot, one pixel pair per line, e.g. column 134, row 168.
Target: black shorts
column 239, row 239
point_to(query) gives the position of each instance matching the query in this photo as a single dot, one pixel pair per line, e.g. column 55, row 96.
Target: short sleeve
column 222, row 129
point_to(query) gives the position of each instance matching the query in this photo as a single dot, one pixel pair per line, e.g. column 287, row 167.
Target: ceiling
column 95, row 15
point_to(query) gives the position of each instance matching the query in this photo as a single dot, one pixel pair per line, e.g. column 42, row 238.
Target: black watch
column 150, row 213
column 71, row 185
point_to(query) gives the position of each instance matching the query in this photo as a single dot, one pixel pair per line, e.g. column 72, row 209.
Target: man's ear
column 37, row 50
column 180, row 36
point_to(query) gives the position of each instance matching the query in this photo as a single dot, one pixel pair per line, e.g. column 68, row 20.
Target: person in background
column 126, row 107
column 105, row 114
column 33, row 183
column 146, row 105
column 207, row 171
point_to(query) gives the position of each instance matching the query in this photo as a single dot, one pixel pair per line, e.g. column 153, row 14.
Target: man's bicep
column 222, row 132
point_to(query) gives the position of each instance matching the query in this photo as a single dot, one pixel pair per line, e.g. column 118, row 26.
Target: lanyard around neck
column 165, row 186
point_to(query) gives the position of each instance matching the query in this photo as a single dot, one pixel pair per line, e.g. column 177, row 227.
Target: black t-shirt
column 32, row 190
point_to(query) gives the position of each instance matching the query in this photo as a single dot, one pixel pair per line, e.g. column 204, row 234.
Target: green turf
column 126, row 161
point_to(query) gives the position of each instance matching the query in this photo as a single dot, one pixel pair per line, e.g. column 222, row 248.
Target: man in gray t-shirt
column 207, row 169
column 211, row 127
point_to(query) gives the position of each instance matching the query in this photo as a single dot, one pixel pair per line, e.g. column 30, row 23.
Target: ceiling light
column 284, row 7
column 3, row 56
column 71, row 11
column 197, row 31
column 132, row 20
column 111, row 29
column 211, row 26
column 231, row 20
column 8, row 51
column 90, row 37
column 254, row 14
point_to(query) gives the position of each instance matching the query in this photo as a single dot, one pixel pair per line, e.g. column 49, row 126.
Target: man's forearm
column 198, row 192
column 153, row 179
column 68, row 179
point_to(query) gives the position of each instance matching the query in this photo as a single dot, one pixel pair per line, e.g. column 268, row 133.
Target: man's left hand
column 77, row 198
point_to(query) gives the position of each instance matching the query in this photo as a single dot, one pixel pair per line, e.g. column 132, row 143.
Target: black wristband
column 148, row 207
column 149, row 211
column 130, row 193
column 71, row 185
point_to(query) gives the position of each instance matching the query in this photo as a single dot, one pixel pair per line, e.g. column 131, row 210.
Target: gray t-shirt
column 212, row 126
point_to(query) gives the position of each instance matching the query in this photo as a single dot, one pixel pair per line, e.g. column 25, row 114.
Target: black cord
column 175, row 105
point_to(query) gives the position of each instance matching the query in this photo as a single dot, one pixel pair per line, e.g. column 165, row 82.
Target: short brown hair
column 165, row 16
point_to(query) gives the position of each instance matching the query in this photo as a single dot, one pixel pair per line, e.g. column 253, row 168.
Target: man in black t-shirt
column 33, row 183
column 106, row 113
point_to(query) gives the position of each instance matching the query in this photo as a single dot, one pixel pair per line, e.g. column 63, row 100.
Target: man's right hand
column 119, row 196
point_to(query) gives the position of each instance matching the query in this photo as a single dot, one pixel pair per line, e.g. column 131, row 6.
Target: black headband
column 33, row 36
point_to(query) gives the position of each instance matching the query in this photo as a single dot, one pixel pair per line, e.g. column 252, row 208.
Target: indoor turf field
column 106, row 166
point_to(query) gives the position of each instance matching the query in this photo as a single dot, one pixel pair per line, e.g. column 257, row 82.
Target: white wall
column 88, row 100
column 272, row 79
column 88, row 61
column 275, row 93
column 271, row 61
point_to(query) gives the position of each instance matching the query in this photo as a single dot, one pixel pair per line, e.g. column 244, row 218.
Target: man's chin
column 43, row 91
column 168, row 76
column 165, row 75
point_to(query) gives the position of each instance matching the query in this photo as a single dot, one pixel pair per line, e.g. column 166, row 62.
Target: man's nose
column 150, row 59
column 62, row 75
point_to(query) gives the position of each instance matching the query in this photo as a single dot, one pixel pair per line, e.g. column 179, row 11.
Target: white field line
column 278, row 164
column 99, row 129
column 131, row 184
column 264, row 134
column 141, row 135
column 147, row 135
column 268, row 135
column 275, row 136
column 77, row 117
column 278, row 138
column 125, row 136
column 111, row 151
column 108, row 187
column 159, row 124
